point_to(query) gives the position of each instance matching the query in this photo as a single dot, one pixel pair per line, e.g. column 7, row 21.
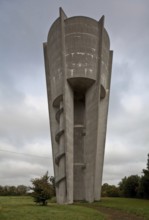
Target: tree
column 144, row 182
column 129, row 186
column 42, row 189
column 52, row 180
column 22, row 190
column 148, row 162
column 122, row 184
column 109, row 190
column 12, row 190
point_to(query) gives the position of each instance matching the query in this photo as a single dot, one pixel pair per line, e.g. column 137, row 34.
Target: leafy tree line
column 20, row 190
column 43, row 187
column 132, row 186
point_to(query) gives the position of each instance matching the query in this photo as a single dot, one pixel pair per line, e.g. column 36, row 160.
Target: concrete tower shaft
column 78, row 71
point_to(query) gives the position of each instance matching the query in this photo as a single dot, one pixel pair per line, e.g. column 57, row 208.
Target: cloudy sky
column 25, row 147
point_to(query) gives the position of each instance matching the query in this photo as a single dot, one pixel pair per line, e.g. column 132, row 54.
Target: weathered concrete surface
column 78, row 71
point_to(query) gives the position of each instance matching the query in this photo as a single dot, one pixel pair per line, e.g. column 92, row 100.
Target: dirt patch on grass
column 114, row 214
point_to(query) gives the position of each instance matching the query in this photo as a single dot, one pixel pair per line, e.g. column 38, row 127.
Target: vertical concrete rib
column 51, row 111
column 61, row 161
column 90, row 141
column 68, row 115
column 102, row 114
column 98, row 158
column 68, row 118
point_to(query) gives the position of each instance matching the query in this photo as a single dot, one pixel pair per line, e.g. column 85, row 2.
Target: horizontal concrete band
column 83, row 165
column 78, row 126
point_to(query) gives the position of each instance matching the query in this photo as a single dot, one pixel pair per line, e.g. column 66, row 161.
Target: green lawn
column 23, row 208
column 135, row 206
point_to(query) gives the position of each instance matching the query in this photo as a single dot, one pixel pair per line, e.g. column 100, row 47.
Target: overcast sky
column 24, row 123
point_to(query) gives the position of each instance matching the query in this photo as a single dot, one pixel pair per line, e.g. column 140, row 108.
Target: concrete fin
column 102, row 20
column 110, row 66
column 62, row 13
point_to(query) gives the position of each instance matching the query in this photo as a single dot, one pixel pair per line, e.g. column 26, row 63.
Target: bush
column 109, row 190
column 42, row 189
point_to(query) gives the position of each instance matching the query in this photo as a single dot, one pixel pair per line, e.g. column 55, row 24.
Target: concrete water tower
column 78, row 65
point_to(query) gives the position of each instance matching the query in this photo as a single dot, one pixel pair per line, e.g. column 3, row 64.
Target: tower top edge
column 77, row 18
column 81, row 17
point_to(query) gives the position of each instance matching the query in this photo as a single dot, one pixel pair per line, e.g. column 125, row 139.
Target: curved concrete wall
column 81, row 37
column 54, row 49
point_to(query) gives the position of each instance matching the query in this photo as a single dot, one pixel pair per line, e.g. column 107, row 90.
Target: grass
column 134, row 206
column 16, row 208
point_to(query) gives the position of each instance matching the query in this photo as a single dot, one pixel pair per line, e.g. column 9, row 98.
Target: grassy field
column 16, row 208
column 23, row 208
column 134, row 206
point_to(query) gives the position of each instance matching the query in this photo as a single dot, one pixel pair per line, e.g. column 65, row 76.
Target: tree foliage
column 144, row 182
column 129, row 186
column 132, row 186
column 42, row 189
column 20, row 190
column 109, row 190
column 52, row 180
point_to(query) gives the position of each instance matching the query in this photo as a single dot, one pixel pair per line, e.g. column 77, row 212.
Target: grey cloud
column 21, row 124
column 22, row 171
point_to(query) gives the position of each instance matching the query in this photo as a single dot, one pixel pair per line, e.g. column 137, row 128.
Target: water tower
column 78, row 65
